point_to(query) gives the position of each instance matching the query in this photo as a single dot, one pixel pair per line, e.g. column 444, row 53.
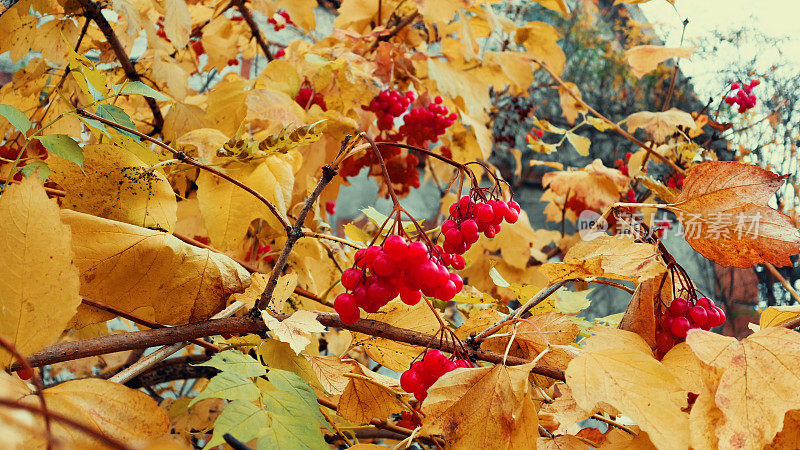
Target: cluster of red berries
column 262, row 253
column 623, row 165
column 675, row 180
column 425, row 124
column 280, row 19
column 682, row 316
column 306, row 97
column 233, row 62
column 330, row 207
column 534, row 135
column 744, row 96
column 468, row 219
column 422, row 374
column 630, row 196
column 381, row 273
column 389, row 104
column 280, row 53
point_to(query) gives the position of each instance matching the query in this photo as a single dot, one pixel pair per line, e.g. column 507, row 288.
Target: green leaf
column 118, row 116
column 230, row 386
column 291, row 383
column 139, row 88
column 243, row 420
column 63, row 146
column 290, row 429
column 40, row 167
column 235, row 362
column 16, row 117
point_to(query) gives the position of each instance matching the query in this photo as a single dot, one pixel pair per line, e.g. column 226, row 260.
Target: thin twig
column 142, row 321
column 183, row 157
column 613, row 424
column 610, row 122
column 95, row 12
column 254, row 30
column 332, row 238
column 783, row 281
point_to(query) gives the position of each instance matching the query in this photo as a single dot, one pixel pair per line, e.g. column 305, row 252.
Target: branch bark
column 247, row 324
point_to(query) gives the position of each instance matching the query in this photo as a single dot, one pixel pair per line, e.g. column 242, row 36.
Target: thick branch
column 241, row 325
column 94, row 11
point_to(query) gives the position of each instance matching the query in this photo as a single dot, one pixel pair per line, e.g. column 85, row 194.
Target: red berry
column 280, row 53
column 233, row 62
column 350, row 278
column 330, row 207
column 734, row 86
column 410, row 381
column 754, row 83
column 720, row 317
column 678, row 307
column 698, row 315
column 511, row 216
column 514, row 205
column 410, row 296
column 704, row 302
column 417, row 253
column 458, row 262
column 345, row 306
column 664, row 342
column 25, row 373
column 679, row 327
column 484, row 213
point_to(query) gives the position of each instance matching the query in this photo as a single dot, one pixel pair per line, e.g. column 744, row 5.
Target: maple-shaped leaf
column 660, row 125
column 148, row 273
column 39, row 283
column 630, row 379
column 645, row 58
column 724, row 209
column 594, row 187
column 109, row 408
column 483, row 407
column 364, row 399
column 295, row 329
column 757, row 382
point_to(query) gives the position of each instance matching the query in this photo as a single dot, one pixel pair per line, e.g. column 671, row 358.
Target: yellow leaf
column 363, row 400
column 295, row 329
column 206, row 140
column 645, row 58
column 115, row 184
column 148, row 273
column 441, row 11
column 789, row 437
column 109, row 408
column 660, row 125
column 541, row 41
column 570, row 107
column 775, row 316
column 685, row 366
column 598, row 124
column 228, row 209
column 177, row 22
column 168, row 72
column 564, row 409
column 278, row 355
column 726, row 215
column 39, row 283
column 629, row 379
column 617, row 257
column 580, row 143
column 301, row 12
column 555, row 5
column 397, row 355
column 482, row 408
column 330, row 371
column 568, row 302
column 768, row 359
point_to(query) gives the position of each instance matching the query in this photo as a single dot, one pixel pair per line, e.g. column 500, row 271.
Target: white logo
column 591, row 225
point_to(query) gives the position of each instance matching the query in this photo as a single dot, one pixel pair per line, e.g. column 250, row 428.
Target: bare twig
column 256, row 32
column 782, row 280
column 95, row 12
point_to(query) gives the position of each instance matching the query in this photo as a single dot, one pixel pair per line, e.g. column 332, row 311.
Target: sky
column 776, row 18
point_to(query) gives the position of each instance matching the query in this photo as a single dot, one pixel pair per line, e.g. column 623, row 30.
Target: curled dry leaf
column 640, row 315
column 660, row 125
column 726, row 216
column 627, row 377
column 148, row 273
column 39, row 283
column 595, row 186
column 768, row 360
column 645, row 58
column 488, row 407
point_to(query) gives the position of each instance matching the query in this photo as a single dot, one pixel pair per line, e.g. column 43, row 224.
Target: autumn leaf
column 632, row 381
column 724, row 209
column 640, row 316
column 484, row 407
column 768, row 359
column 645, row 58
column 115, row 184
column 295, row 329
column 775, row 316
column 660, row 125
column 570, row 107
column 148, row 273
column 235, row 362
column 230, row 386
column 109, row 408
column 39, row 283
column 364, row 399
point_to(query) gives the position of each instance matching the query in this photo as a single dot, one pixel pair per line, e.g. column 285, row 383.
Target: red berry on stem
column 350, row 278
column 330, row 207
column 410, row 381
column 698, row 315
column 25, row 373
column 679, row 327
column 345, row 306
column 678, row 307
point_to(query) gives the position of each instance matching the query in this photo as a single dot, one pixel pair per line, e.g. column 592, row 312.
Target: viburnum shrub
column 423, row 373
column 469, row 218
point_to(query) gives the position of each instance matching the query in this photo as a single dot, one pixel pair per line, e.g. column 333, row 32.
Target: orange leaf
column 726, row 217
column 645, row 58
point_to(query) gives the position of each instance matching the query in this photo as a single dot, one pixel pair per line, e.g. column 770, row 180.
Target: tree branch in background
column 256, row 32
